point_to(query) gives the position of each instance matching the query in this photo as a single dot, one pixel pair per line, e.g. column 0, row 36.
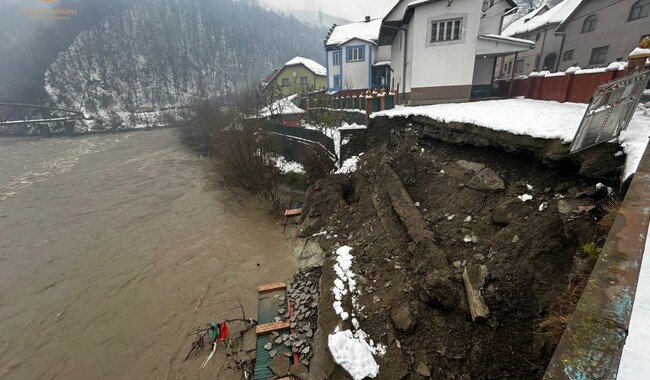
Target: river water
column 112, row 248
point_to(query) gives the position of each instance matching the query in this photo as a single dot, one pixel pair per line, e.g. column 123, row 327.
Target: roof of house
column 570, row 17
column 311, row 65
column 367, row 31
column 534, row 20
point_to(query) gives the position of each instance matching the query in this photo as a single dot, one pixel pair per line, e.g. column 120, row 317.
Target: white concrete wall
column 332, row 69
column 491, row 19
column 397, row 60
column 356, row 74
column 444, row 63
column 381, row 53
column 483, row 71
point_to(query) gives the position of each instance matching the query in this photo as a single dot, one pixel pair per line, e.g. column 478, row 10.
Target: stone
column 300, row 371
column 506, row 211
column 437, row 290
column 457, row 264
column 278, row 340
column 272, row 353
column 403, row 319
column 486, row 180
column 281, row 310
column 309, row 333
column 422, row 369
column 279, row 365
column 566, row 206
column 268, row 346
column 471, row 166
column 285, row 337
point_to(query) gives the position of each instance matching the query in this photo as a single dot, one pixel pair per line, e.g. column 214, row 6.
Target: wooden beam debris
column 474, row 278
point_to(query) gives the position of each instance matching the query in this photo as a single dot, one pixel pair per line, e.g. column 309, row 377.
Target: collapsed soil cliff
column 418, row 213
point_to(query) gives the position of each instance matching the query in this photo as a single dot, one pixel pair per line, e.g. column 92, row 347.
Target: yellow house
column 298, row 76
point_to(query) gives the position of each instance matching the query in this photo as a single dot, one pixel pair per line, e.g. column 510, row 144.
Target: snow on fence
column 574, row 85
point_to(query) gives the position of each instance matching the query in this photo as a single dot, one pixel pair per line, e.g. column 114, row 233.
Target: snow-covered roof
column 368, row 31
column 312, row 65
column 282, row 106
column 534, row 20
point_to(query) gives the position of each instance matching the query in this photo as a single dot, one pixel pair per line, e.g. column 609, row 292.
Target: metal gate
column 610, row 111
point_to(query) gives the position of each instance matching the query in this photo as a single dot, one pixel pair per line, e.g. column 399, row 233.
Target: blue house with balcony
column 354, row 60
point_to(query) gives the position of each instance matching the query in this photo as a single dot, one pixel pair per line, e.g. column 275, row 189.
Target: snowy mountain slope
column 167, row 53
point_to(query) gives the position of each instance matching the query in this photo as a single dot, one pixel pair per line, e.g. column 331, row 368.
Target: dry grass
column 552, row 327
column 610, row 210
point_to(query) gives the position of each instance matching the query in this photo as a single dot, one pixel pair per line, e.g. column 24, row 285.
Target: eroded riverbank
column 112, row 248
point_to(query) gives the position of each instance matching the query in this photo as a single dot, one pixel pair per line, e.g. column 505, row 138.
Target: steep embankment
column 160, row 54
column 427, row 218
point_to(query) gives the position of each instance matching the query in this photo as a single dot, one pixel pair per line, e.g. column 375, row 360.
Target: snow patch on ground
column 349, row 165
column 351, row 349
column 353, row 355
column 287, row 166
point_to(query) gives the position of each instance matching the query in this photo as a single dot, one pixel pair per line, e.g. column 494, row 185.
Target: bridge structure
column 16, row 118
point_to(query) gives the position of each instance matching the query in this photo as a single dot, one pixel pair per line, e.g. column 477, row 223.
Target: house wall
column 356, row 75
column 483, row 69
column 315, row 82
column 397, row 61
column 443, row 71
column 491, row 19
column 332, row 69
column 381, row 53
column 612, row 29
column 546, row 42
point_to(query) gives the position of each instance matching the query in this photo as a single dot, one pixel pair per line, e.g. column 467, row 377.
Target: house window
column 337, row 81
column 589, row 24
column 520, row 66
column 337, row 58
column 568, row 55
column 304, row 81
column 285, row 82
column 598, row 55
column 355, row 54
column 446, row 30
column 640, row 9
column 549, row 61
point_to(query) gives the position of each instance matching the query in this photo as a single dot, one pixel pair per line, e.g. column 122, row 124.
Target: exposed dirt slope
column 418, row 212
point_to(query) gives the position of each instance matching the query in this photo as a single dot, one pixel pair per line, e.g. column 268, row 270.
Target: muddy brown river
column 112, row 248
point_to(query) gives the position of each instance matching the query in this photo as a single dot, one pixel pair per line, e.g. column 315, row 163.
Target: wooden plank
column 292, row 212
column 273, row 326
column 271, row 287
column 474, row 278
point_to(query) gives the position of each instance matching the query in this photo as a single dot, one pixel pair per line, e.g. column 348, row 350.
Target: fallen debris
column 474, row 279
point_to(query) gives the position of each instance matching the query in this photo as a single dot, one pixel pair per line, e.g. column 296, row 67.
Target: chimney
column 367, row 18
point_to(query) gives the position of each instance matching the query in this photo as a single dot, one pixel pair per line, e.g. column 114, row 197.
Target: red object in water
column 224, row 332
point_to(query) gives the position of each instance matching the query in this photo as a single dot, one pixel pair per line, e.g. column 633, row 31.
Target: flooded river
column 112, row 248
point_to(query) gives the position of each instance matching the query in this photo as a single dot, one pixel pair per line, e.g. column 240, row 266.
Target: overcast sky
column 354, row 10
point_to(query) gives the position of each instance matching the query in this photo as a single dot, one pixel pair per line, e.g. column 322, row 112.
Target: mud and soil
column 417, row 213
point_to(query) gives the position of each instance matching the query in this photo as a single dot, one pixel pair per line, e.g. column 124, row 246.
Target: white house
column 445, row 51
column 354, row 61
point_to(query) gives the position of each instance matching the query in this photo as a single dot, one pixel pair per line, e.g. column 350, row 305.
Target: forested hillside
column 165, row 53
column 29, row 46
